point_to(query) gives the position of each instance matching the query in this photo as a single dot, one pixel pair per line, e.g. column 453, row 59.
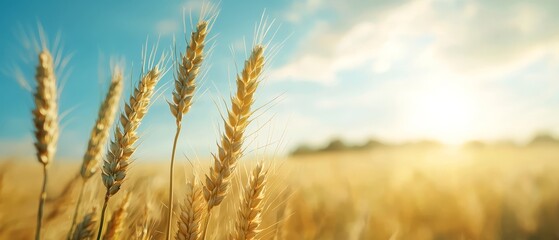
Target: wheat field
column 508, row 193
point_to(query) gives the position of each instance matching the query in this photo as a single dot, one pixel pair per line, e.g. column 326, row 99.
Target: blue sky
column 450, row 70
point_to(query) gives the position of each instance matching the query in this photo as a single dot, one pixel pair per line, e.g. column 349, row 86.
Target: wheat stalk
column 185, row 84
column 248, row 215
column 99, row 135
column 114, row 227
column 191, row 215
column 85, row 229
column 45, row 119
column 125, row 136
column 230, row 148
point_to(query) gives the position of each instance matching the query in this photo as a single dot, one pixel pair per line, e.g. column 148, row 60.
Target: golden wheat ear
column 250, row 210
column 122, row 146
column 85, row 229
column 188, row 68
column 192, row 213
column 100, row 132
column 45, row 120
column 230, row 148
column 45, row 114
column 125, row 135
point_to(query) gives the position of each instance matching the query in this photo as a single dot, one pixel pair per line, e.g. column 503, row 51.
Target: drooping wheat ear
column 230, row 148
column 85, row 229
column 125, row 136
column 114, row 227
column 249, row 213
column 185, row 84
column 100, row 131
column 190, row 218
column 45, row 119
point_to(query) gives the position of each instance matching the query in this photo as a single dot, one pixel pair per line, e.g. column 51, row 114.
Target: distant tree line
column 338, row 145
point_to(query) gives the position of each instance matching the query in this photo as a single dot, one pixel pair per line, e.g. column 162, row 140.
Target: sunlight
column 445, row 113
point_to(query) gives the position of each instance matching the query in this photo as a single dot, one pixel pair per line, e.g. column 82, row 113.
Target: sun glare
column 445, row 113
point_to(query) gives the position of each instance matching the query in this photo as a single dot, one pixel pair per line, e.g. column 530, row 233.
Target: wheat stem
column 75, row 217
column 103, row 211
column 171, row 177
column 114, row 227
column 205, row 226
column 42, row 199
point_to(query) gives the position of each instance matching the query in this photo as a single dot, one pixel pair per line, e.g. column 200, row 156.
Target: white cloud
column 473, row 38
column 331, row 52
column 167, row 27
column 307, row 68
column 479, row 48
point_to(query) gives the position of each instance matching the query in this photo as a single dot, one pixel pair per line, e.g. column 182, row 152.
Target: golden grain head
column 250, row 210
column 122, row 146
column 218, row 180
column 45, row 114
column 187, row 71
column 192, row 213
column 100, row 132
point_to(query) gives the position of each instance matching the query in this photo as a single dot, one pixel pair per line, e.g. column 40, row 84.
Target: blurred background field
column 499, row 192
